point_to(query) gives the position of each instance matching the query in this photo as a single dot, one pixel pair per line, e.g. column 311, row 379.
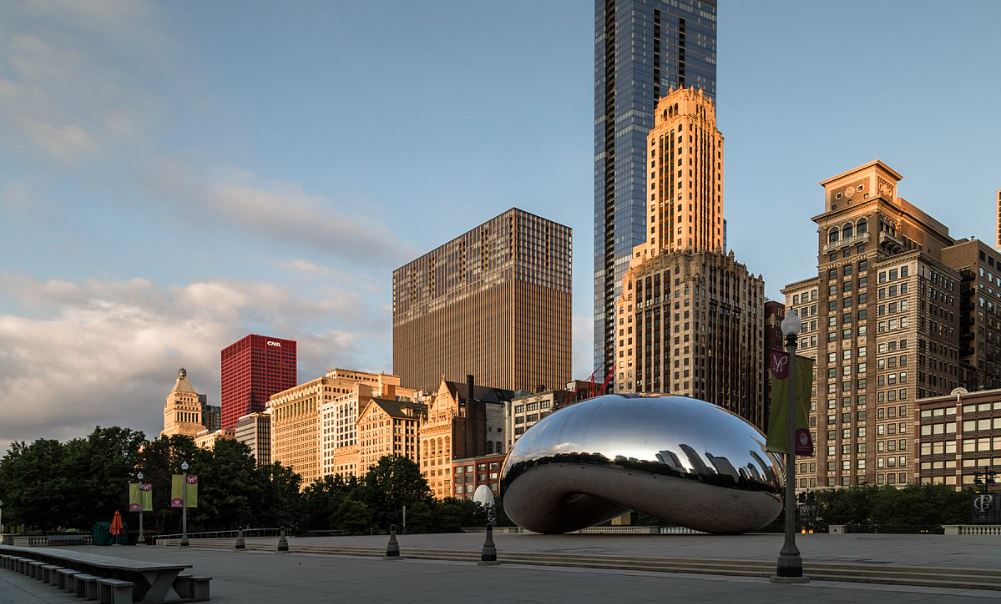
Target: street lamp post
column 790, row 565
column 184, row 504
column 1, row 521
column 142, row 535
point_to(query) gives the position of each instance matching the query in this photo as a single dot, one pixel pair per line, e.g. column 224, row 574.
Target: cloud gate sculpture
column 680, row 459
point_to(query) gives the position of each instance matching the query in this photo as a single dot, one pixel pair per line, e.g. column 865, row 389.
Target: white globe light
column 791, row 324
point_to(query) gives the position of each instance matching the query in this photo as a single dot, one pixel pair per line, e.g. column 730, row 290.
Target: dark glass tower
column 642, row 48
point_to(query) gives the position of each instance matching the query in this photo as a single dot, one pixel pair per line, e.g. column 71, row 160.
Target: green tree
column 420, row 518
column 353, row 516
column 279, row 497
column 392, row 483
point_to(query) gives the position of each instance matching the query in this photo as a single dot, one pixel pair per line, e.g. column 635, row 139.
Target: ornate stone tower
column 690, row 319
column 182, row 413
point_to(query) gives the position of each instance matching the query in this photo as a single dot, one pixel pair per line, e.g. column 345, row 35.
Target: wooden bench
column 195, row 589
column 85, row 586
column 115, row 591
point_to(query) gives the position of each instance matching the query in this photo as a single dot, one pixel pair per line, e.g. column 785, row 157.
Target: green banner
column 178, row 494
column 778, row 379
column 140, row 497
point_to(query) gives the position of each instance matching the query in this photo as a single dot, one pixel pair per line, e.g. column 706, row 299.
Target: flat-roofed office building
column 494, row 302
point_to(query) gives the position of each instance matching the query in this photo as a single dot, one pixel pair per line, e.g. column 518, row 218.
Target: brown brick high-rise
column 494, row 302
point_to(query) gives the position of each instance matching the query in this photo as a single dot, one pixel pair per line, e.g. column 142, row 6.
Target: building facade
column 184, row 410
column 460, row 426
column 254, row 430
column 313, row 424
column 885, row 320
column 254, row 368
column 979, row 268
column 495, row 301
column 959, row 436
column 389, row 428
column 690, row 320
column 529, row 409
column 642, row 49
column 471, row 472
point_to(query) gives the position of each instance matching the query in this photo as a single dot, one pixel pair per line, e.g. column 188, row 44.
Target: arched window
column 832, row 235
column 847, row 231
column 490, row 447
column 500, row 447
column 862, row 226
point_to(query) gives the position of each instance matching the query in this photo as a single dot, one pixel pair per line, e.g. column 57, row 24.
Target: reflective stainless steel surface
column 686, row 461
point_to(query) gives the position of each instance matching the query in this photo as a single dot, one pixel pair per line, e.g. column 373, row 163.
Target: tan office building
column 888, row 320
column 494, row 302
column 387, row 428
column 297, row 424
column 690, row 320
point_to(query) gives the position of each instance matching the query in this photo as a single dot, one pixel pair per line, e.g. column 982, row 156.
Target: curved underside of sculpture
column 683, row 460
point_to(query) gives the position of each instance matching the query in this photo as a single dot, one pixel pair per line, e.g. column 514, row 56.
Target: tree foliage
column 52, row 486
column 914, row 505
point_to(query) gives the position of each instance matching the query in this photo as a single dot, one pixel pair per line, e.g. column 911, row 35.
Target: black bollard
column 392, row 548
column 282, row 542
column 488, row 557
column 240, row 543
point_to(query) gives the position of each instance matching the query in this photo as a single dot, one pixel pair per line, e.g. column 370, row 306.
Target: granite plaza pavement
column 253, row 576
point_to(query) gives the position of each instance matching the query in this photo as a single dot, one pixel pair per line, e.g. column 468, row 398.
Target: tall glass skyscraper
column 642, row 49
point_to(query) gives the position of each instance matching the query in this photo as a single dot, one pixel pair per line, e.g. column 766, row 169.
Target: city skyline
column 143, row 233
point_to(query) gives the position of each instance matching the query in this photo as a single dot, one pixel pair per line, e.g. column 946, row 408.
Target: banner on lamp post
column 140, row 497
column 779, row 371
column 177, row 494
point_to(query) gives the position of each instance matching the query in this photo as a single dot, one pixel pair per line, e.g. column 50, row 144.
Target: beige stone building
column 893, row 315
column 182, row 412
column 386, row 428
column 959, row 434
column 460, row 426
column 207, row 439
column 690, row 320
column 529, row 409
column 313, row 424
column 494, row 302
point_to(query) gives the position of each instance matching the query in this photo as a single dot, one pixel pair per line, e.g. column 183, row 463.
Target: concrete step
column 966, row 578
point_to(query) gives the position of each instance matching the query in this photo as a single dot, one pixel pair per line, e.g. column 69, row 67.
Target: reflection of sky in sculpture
column 700, row 437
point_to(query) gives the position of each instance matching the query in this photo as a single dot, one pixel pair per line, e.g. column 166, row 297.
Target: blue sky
column 174, row 175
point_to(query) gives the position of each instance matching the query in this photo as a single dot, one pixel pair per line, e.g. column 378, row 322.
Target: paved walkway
column 912, row 550
column 293, row 578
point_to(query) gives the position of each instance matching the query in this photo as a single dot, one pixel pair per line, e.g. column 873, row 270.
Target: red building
column 254, row 368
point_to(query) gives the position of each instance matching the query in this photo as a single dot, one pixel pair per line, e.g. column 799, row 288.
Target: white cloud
column 105, row 352
column 279, row 211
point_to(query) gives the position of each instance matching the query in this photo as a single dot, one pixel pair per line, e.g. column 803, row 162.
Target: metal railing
column 248, row 532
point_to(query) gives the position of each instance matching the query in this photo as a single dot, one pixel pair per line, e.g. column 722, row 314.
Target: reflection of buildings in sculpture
column 959, row 434
column 690, row 318
column 586, row 464
column 898, row 311
column 388, row 428
column 528, row 409
column 471, row 472
column 254, row 430
column 185, row 412
column 459, row 426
